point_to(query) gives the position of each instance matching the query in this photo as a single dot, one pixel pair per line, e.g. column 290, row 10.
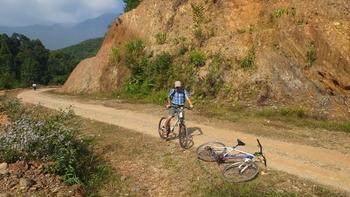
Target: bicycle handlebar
column 189, row 108
column 261, row 152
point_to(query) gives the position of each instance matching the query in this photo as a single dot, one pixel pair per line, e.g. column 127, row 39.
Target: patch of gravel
column 29, row 179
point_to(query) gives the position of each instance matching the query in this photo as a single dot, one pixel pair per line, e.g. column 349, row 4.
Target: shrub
column 197, row 58
column 159, row 70
column 185, row 73
column 249, row 60
column 131, row 4
column 9, row 155
column 24, row 138
column 200, row 36
column 161, row 38
column 11, row 107
column 183, row 49
column 310, row 55
column 155, row 76
column 277, row 13
column 115, row 58
column 212, row 83
column 198, row 23
column 198, row 14
column 135, row 46
column 135, row 57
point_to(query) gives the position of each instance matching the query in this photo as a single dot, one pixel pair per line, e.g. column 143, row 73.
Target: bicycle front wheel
column 184, row 140
column 241, row 172
column 208, row 151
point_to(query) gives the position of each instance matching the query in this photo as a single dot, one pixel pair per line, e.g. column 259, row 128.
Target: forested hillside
column 63, row 61
column 24, row 61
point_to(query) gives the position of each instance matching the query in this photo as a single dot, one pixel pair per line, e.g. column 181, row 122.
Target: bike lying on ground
column 242, row 166
column 184, row 138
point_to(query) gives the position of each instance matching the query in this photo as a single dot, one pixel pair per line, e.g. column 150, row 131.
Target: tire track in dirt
column 320, row 165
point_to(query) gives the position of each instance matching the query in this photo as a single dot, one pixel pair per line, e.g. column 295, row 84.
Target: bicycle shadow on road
column 192, row 131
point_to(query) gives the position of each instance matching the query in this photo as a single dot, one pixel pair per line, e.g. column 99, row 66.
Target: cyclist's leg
column 172, row 112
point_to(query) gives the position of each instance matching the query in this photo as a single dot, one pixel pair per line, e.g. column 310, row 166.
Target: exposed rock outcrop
column 302, row 48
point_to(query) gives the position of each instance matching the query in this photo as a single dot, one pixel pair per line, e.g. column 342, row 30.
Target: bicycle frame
column 241, row 154
column 179, row 119
column 225, row 153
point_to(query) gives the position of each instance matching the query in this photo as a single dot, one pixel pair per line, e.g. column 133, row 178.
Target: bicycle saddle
column 240, row 143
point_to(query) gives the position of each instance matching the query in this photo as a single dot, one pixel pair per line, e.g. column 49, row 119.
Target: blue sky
column 43, row 12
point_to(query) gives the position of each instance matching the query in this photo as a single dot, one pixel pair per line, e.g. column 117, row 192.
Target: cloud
column 29, row 12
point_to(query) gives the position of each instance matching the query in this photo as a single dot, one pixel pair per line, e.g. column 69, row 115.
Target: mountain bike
column 242, row 166
column 184, row 138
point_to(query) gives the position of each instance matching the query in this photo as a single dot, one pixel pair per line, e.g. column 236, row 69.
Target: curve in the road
column 320, row 165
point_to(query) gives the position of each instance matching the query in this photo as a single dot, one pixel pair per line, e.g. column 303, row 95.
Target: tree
column 131, row 4
column 6, row 61
column 30, row 71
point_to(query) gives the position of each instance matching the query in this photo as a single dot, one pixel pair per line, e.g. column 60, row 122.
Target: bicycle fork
column 245, row 165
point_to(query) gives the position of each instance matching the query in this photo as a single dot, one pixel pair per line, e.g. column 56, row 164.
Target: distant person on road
column 34, row 86
column 176, row 98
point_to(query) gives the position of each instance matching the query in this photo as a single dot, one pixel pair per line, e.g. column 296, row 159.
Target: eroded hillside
column 291, row 52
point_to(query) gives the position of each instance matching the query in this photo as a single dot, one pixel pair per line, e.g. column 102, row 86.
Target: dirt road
column 320, row 165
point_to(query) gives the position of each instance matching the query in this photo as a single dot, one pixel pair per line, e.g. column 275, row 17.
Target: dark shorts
column 173, row 110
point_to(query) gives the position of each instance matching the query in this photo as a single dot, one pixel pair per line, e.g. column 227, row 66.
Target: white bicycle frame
column 243, row 165
column 227, row 150
column 179, row 115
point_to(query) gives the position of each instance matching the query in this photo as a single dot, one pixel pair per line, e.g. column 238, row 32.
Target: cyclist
column 34, row 86
column 176, row 98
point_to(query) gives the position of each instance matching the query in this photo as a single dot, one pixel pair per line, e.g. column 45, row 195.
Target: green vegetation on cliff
column 131, row 4
column 151, row 76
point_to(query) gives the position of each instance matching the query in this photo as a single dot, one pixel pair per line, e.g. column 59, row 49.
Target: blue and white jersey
column 178, row 97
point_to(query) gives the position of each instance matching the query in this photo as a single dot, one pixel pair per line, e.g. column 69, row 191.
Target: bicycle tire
column 183, row 137
column 160, row 129
column 203, row 153
column 232, row 173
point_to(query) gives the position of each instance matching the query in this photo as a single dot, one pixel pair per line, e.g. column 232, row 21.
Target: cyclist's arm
column 169, row 100
column 190, row 102
column 188, row 99
column 170, row 97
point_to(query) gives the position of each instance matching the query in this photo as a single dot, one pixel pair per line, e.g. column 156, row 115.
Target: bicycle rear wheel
column 207, row 151
column 241, row 172
column 162, row 128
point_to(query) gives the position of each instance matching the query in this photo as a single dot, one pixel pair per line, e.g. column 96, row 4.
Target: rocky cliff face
column 301, row 48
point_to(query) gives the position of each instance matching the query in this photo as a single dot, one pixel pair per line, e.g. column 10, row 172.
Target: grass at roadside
column 301, row 118
column 153, row 167
column 66, row 151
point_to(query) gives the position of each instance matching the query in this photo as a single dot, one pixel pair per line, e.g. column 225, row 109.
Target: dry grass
column 147, row 166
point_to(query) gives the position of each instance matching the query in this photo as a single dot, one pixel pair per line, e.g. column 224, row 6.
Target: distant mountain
column 60, row 36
